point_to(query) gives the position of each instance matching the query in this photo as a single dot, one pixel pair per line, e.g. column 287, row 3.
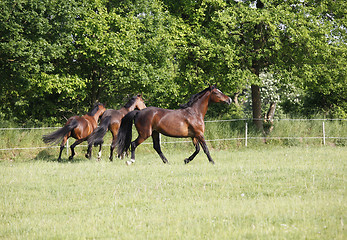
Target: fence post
column 246, row 134
column 67, row 147
column 323, row 133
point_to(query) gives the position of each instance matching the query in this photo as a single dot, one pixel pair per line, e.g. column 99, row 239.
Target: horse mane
column 94, row 109
column 130, row 102
column 195, row 97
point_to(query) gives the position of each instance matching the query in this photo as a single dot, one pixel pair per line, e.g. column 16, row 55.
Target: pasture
column 267, row 192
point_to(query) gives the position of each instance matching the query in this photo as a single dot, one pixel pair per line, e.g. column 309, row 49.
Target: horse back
column 86, row 125
column 175, row 123
column 116, row 119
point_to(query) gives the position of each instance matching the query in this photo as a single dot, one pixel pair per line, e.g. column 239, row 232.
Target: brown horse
column 185, row 122
column 111, row 120
column 77, row 127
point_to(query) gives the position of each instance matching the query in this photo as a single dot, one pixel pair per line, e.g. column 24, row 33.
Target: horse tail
column 98, row 134
column 125, row 132
column 57, row 136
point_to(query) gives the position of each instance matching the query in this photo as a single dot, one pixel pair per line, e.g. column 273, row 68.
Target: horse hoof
column 186, row 161
column 87, row 156
column 70, row 158
column 129, row 162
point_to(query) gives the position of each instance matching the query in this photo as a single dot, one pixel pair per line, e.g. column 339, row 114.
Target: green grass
column 297, row 130
column 265, row 193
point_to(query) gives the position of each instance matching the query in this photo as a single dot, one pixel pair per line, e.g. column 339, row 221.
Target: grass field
column 265, row 193
column 24, row 144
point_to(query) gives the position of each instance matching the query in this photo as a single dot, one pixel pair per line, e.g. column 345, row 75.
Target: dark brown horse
column 185, row 122
column 111, row 120
column 77, row 127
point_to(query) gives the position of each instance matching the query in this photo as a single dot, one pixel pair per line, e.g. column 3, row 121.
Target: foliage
column 58, row 57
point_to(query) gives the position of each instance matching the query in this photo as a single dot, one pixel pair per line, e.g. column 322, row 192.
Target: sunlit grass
column 265, row 193
column 284, row 133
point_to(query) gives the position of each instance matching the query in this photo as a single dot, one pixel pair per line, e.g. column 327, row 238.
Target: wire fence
column 245, row 138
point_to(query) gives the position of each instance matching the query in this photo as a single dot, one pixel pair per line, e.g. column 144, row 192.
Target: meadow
column 266, row 192
column 285, row 134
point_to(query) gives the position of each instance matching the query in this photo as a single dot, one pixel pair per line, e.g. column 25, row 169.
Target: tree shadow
column 48, row 156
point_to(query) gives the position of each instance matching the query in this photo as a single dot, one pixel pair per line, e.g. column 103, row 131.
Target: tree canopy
column 59, row 57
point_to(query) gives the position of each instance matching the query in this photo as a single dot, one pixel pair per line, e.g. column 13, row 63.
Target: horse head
column 140, row 102
column 217, row 95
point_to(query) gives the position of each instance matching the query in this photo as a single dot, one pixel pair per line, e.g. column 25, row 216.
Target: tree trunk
column 271, row 112
column 257, row 64
column 94, row 86
column 270, row 116
column 256, row 107
column 236, row 99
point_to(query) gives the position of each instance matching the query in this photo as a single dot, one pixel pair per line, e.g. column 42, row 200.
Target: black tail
column 125, row 132
column 98, row 134
column 57, row 136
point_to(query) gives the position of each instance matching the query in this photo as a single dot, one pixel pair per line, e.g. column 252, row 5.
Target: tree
column 35, row 37
column 284, row 37
column 59, row 57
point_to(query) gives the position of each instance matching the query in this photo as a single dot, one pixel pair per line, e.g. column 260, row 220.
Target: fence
column 245, row 138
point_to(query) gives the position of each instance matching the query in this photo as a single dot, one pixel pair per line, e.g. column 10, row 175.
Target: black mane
column 130, row 102
column 94, row 109
column 194, row 98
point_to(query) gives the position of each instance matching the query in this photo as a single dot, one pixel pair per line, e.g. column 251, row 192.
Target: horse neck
column 124, row 110
column 129, row 109
column 201, row 105
column 96, row 116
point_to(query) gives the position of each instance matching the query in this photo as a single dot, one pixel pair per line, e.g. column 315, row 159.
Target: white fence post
column 67, row 147
column 246, row 134
column 323, row 133
column 228, row 139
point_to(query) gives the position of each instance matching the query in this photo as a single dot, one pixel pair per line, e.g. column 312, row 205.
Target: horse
column 188, row 121
column 78, row 127
column 111, row 120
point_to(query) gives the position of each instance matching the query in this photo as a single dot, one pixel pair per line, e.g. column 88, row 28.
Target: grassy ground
column 284, row 133
column 265, row 193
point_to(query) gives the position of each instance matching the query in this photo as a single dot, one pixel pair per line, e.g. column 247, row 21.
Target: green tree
column 59, row 57
column 286, row 37
column 128, row 47
column 35, row 37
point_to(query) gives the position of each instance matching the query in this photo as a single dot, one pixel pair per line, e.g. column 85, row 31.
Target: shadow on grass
column 47, row 156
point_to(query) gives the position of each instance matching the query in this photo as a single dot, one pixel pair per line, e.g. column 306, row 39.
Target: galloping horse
column 188, row 121
column 111, row 120
column 77, row 127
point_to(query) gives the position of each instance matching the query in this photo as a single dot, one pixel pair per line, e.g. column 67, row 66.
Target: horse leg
column 113, row 144
column 89, row 151
column 197, row 149
column 62, row 145
column 201, row 140
column 156, row 146
column 73, row 147
column 134, row 145
column 99, row 153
